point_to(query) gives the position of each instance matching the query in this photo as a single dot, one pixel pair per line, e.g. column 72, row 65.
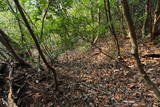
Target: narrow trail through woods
column 89, row 79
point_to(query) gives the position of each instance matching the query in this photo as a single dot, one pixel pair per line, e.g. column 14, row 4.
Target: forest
column 79, row 53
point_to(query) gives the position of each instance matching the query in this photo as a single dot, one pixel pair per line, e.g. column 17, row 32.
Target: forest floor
column 90, row 79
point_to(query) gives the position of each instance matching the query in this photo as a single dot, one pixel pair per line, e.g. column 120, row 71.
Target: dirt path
column 86, row 79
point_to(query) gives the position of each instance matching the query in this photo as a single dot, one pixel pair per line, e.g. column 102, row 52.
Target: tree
column 148, row 24
column 156, row 24
column 36, row 42
column 6, row 41
column 111, row 27
column 134, row 49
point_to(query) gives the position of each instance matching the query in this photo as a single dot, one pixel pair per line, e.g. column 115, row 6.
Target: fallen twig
column 88, row 86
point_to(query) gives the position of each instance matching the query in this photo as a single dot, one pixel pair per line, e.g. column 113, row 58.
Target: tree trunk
column 147, row 28
column 156, row 26
column 111, row 27
column 6, row 42
column 134, row 50
column 36, row 41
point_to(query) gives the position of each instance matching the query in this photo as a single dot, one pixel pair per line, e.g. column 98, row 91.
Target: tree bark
column 156, row 25
column 147, row 28
column 6, row 42
column 111, row 27
column 36, row 41
column 134, row 50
